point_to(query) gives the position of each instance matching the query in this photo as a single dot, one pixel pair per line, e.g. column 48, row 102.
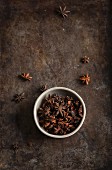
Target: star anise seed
column 26, row 76
column 63, row 11
column 18, row 97
column 80, row 109
column 77, row 103
column 85, row 60
column 47, row 124
column 59, row 109
column 56, row 130
column 85, row 79
column 53, row 121
column 43, row 88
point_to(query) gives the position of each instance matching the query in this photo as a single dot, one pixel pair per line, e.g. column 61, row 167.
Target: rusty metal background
column 35, row 39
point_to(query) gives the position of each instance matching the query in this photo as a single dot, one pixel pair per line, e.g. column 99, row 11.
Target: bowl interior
column 62, row 92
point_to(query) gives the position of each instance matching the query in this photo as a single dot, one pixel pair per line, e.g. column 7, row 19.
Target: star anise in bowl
column 59, row 112
column 63, row 12
column 85, row 79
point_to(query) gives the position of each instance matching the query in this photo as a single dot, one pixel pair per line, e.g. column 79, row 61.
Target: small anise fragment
column 85, row 60
column 63, row 12
column 85, row 79
column 18, row 97
column 43, row 88
column 26, row 76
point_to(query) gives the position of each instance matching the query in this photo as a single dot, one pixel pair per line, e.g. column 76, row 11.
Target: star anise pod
column 85, row 59
column 26, row 76
column 80, row 111
column 47, row 124
column 85, row 79
column 77, row 103
column 56, row 130
column 49, row 99
column 63, row 11
column 18, row 97
column 47, row 111
column 59, row 109
column 43, row 88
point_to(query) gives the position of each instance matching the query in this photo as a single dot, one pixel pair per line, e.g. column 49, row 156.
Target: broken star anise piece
column 85, row 60
column 18, row 97
column 43, row 88
column 63, row 11
column 26, row 76
column 85, row 79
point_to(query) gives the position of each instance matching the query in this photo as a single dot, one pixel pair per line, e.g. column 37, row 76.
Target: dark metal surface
column 35, row 39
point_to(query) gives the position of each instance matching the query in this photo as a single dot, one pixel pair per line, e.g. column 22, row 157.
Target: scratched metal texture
column 35, row 39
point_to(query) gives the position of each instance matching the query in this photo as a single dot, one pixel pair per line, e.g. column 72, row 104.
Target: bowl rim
column 35, row 112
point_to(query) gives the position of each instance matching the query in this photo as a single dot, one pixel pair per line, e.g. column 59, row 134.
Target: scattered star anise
column 85, row 60
column 26, row 76
column 43, row 88
column 18, row 97
column 85, row 79
column 63, row 11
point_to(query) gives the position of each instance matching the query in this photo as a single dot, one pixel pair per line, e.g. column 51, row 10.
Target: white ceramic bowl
column 60, row 91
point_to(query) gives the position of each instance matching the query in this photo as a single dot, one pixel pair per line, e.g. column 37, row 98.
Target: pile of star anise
column 60, row 115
